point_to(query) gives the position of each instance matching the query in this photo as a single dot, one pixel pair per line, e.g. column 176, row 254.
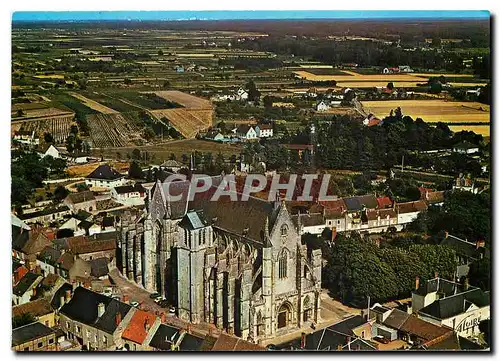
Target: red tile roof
column 384, row 202
column 136, row 329
column 373, row 121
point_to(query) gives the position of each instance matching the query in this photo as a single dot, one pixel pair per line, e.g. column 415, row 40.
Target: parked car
column 154, row 295
column 134, row 304
column 163, row 303
column 159, row 299
column 381, row 339
column 171, row 310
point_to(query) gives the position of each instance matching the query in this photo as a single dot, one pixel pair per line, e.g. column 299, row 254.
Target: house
column 165, row 338
column 99, row 268
column 90, row 228
column 312, row 93
column 25, row 289
column 140, row 331
column 371, row 120
column 173, row 165
column 390, row 70
column 355, row 326
column 452, row 343
column 432, row 198
column 46, row 215
column 108, row 224
column 384, row 202
column 27, row 244
column 321, row 106
column 264, row 130
column 18, row 270
column 34, row 337
column 27, row 137
column 81, row 201
column 300, row 148
column 465, row 148
column 179, row 69
column 408, row 212
column 466, row 252
column 241, row 94
column 105, row 176
column 214, row 135
column 129, row 194
column 405, row 69
column 445, row 303
column 310, row 223
column 50, row 151
column 73, row 225
column 76, row 158
column 95, row 321
column 465, row 183
column 224, row 343
column 101, row 245
column 247, row 132
column 40, row 309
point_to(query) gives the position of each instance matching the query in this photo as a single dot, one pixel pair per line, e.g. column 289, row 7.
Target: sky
column 244, row 15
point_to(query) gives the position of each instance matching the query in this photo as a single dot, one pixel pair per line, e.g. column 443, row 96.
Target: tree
column 390, row 86
column 171, row 156
column 135, row 170
column 20, row 113
column 127, row 81
column 160, row 52
column 48, row 138
column 253, row 92
column 136, row 154
column 70, row 143
column 60, row 193
column 480, row 273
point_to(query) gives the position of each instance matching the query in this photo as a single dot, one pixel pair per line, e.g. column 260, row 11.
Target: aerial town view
column 238, row 182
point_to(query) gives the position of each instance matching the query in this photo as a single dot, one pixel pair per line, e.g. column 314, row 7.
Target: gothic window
column 307, row 309
column 186, row 236
column 204, row 235
column 260, row 325
column 282, row 265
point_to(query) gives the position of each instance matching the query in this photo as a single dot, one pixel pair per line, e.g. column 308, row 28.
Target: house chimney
column 125, row 298
column 480, row 243
column 100, row 309
column 466, row 284
column 303, row 340
column 118, row 318
column 417, row 282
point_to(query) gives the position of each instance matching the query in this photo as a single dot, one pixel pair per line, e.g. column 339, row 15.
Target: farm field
column 112, row 130
column 187, row 122
column 58, row 126
column 484, row 130
column 92, row 104
column 433, row 110
column 356, row 80
column 184, row 99
column 163, row 151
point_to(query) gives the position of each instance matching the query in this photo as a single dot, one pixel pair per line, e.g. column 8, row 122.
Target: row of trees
column 356, row 268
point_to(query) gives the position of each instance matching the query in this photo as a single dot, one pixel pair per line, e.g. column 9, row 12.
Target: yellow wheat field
column 432, row 110
column 93, row 104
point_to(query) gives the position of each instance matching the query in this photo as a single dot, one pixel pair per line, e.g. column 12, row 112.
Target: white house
column 72, row 224
column 105, row 176
column 241, row 94
column 322, row 106
column 52, row 151
column 129, row 195
column 264, row 130
column 25, row 288
column 246, row 132
column 26, row 137
column 465, row 148
column 408, row 212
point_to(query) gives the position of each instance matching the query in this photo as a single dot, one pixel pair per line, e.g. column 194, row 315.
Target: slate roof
column 463, row 248
column 361, row 345
column 108, row 222
column 83, row 307
column 94, row 246
column 36, row 308
column 99, row 267
column 193, row 220
column 325, row 339
column 396, row 319
column 50, row 255
column 373, row 214
column 164, row 336
column 30, row 332
column 81, row 197
column 25, row 283
column 130, row 189
column 44, row 212
column 136, row 328
column 440, row 285
column 453, row 342
column 61, row 291
column 309, row 220
column 356, row 203
column 105, row 172
column 453, row 305
column 190, row 343
column 346, row 326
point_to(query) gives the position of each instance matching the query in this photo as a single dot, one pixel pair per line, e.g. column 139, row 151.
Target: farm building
column 50, row 150
column 246, row 132
column 264, row 130
column 371, row 121
column 465, row 148
column 322, row 106
column 105, row 176
column 129, row 195
column 26, row 137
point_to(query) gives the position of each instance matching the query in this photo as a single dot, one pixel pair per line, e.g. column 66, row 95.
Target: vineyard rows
column 112, row 130
column 59, row 127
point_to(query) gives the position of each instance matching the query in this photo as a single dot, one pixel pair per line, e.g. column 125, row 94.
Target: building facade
column 238, row 265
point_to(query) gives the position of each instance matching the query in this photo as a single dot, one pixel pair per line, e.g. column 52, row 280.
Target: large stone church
column 238, row 265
